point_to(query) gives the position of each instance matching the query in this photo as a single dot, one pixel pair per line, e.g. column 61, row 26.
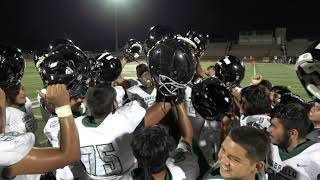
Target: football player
column 107, row 155
column 293, row 156
column 16, row 153
column 65, row 64
column 255, row 106
column 146, row 91
column 151, row 147
column 314, row 116
column 242, row 155
column 19, row 116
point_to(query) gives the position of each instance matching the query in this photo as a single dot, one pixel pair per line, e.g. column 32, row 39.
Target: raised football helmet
column 12, row 65
column 157, row 33
column 66, row 64
column 105, row 68
column 172, row 65
column 210, row 98
column 308, row 70
column 230, row 70
column 60, row 41
column 132, row 50
column 199, row 39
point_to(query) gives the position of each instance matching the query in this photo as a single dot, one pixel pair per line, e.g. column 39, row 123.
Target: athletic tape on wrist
column 63, row 111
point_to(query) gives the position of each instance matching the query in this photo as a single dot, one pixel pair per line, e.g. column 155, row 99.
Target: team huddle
column 173, row 121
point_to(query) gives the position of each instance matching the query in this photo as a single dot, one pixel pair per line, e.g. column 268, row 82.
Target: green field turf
column 278, row 74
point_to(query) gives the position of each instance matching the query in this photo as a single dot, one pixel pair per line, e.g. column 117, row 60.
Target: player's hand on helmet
column 132, row 50
column 173, row 99
column 57, row 95
column 256, row 79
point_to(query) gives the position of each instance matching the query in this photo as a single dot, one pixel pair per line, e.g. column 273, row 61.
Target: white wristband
column 63, row 111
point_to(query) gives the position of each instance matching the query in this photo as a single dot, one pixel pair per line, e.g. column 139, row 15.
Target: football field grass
column 278, row 74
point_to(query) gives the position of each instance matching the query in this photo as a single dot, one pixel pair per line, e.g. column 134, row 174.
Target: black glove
column 132, row 50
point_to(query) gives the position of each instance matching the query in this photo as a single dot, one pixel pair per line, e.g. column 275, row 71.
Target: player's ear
column 259, row 166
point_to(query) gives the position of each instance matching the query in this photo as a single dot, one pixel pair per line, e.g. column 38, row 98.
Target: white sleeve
column 52, row 130
column 28, row 105
column 64, row 174
column 132, row 114
column 14, row 147
column 120, row 94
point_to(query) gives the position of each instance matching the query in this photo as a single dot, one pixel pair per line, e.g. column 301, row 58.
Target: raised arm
column 2, row 111
column 184, row 124
column 41, row 160
column 155, row 113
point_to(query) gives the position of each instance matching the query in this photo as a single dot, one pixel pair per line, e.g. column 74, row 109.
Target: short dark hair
column 253, row 140
column 292, row 116
column 209, row 67
column 151, row 148
column 257, row 100
column 266, row 83
column 141, row 68
column 280, row 90
column 99, row 100
column 12, row 93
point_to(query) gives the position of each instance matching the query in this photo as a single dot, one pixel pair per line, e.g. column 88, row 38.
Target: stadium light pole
column 116, row 25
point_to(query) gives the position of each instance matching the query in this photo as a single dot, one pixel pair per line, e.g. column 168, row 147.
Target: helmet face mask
column 308, row 70
column 172, row 65
column 12, row 66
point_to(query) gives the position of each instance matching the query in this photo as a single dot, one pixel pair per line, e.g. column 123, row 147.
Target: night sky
column 31, row 24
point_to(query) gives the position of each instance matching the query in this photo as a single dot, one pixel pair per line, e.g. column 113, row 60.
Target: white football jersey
column 262, row 120
column 20, row 120
column 188, row 103
column 149, row 99
column 52, row 129
column 120, row 94
column 105, row 149
column 182, row 165
column 303, row 163
column 14, row 146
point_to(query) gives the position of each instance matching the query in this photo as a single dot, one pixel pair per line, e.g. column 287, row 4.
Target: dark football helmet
column 157, row 33
column 60, row 41
column 132, row 50
column 308, row 70
column 210, row 98
column 66, row 64
column 230, row 70
column 199, row 39
column 12, row 65
column 105, row 68
column 172, row 65
column 38, row 58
